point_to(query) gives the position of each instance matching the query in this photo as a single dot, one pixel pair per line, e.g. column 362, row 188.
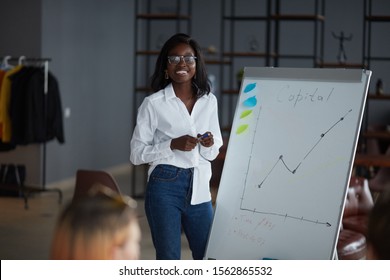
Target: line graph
column 294, row 170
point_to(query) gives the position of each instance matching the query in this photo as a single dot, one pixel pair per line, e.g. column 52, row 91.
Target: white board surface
column 288, row 163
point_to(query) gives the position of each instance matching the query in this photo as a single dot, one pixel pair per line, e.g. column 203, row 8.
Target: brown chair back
column 85, row 179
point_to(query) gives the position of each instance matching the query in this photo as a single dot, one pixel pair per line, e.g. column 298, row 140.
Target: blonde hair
column 88, row 228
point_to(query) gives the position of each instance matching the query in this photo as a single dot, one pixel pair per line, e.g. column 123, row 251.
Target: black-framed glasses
column 175, row 59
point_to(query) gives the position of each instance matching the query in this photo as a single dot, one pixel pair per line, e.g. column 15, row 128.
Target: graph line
column 288, row 169
column 286, row 216
column 294, row 170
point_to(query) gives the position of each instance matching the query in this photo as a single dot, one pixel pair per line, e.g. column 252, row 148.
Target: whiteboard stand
column 288, row 163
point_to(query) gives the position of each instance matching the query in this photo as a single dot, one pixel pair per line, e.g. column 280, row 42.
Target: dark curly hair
column 200, row 82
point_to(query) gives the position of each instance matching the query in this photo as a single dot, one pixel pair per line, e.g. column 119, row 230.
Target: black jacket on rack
column 36, row 117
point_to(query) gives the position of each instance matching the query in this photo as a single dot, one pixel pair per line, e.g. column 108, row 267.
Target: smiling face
column 182, row 72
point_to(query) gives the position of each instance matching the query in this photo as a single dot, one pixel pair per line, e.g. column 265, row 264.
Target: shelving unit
column 316, row 19
column 370, row 20
column 255, row 54
column 269, row 21
column 375, row 59
column 264, row 23
column 338, row 64
column 149, row 18
column 155, row 22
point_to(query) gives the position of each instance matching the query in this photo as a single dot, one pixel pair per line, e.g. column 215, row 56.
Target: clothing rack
column 27, row 190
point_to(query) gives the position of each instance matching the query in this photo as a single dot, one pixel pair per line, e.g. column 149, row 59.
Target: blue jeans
column 168, row 210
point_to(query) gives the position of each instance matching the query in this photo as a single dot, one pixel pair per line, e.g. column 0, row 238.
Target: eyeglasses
column 175, row 59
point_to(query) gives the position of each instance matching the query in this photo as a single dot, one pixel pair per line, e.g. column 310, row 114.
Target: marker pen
column 203, row 136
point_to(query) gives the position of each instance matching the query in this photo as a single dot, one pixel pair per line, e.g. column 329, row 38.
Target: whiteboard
column 288, row 163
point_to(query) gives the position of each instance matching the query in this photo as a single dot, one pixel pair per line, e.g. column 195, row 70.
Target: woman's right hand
column 184, row 143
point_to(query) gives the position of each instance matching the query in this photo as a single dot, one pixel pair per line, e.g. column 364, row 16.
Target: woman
column 178, row 134
column 100, row 226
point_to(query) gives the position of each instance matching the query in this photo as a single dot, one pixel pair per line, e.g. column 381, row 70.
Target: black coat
column 36, row 117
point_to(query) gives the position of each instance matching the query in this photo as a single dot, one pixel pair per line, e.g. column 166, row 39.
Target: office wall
column 20, row 27
column 90, row 43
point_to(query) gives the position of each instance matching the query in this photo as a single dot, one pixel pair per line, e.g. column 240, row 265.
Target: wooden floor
column 26, row 234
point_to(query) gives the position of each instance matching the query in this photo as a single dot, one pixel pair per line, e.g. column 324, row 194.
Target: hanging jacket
column 38, row 116
column 18, row 104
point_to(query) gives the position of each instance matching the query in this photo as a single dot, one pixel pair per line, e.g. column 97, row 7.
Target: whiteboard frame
column 338, row 75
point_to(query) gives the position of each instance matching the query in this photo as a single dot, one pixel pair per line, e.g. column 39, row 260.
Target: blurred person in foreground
column 378, row 236
column 100, row 226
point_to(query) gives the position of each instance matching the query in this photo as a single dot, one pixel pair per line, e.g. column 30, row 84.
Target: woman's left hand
column 206, row 140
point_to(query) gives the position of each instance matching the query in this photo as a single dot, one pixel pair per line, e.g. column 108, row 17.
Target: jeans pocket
column 165, row 173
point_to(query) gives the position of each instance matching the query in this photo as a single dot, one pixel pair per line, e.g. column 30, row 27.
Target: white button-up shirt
column 162, row 117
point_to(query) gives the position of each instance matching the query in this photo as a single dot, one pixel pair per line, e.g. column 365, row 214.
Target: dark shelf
column 246, row 18
column 147, row 52
column 378, row 97
column 163, row 16
column 144, row 89
column 231, row 91
column 298, row 17
column 217, row 61
column 382, row 134
column 378, row 18
column 275, row 17
column 387, row 58
column 247, row 54
column 295, row 56
column 340, row 65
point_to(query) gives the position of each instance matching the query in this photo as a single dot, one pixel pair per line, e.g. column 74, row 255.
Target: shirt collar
column 170, row 93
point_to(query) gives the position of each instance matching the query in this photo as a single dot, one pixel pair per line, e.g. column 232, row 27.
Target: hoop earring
column 166, row 75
